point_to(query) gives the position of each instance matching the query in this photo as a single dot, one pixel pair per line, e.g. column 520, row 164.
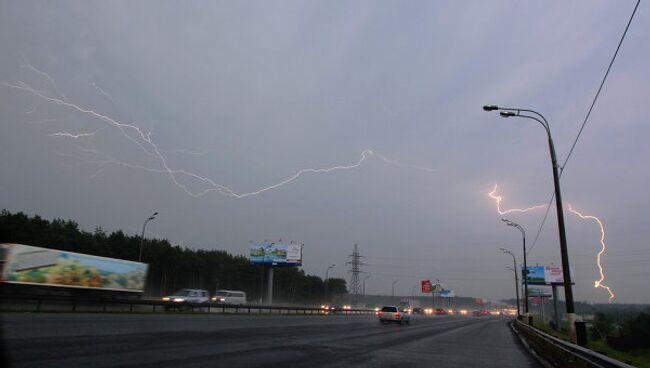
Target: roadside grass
column 637, row 358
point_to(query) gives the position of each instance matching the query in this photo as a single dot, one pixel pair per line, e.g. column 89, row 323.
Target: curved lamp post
column 327, row 272
column 514, row 269
column 144, row 226
column 525, row 271
column 507, row 112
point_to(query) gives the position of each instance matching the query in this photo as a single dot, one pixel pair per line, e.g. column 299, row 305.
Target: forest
column 171, row 267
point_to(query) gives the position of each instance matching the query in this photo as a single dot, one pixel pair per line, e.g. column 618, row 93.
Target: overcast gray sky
column 247, row 93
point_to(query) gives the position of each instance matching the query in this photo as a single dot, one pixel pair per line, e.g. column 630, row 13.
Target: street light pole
column 144, row 226
column 364, row 283
column 525, row 272
column 568, row 290
column 514, row 269
column 393, row 288
column 327, row 278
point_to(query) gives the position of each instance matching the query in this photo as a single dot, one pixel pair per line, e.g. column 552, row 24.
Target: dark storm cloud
column 248, row 93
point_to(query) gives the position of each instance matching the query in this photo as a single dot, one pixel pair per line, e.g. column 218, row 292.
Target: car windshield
column 182, row 292
column 389, row 309
column 221, row 293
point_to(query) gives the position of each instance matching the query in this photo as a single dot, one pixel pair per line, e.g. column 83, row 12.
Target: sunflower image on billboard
column 26, row 264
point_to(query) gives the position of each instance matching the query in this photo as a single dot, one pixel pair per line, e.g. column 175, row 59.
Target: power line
column 602, row 83
column 584, row 123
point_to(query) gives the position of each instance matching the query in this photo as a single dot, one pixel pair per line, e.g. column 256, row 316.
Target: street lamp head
column 507, row 114
column 509, row 223
column 490, row 107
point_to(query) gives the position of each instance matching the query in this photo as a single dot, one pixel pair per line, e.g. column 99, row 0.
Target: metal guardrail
column 157, row 305
column 564, row 354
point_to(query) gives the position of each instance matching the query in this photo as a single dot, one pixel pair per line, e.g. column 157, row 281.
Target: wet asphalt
column 210, row 340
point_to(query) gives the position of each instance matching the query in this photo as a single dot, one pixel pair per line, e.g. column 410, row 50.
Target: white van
column 229, row 297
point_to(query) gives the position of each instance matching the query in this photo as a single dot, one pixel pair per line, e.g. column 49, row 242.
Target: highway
column 207, row 340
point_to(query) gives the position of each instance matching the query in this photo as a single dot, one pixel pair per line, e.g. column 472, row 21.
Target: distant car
column 441, row 311
column 476, row 313
column 229, row 297
column 418, row 310
column 184, row 296
column 394, row 314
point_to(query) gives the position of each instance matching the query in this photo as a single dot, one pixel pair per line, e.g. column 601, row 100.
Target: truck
column 30, row 269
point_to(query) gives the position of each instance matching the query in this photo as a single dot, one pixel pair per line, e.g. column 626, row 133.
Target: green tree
column 601, row 327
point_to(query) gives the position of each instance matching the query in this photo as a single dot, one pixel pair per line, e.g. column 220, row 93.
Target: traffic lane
column 279, row 341
column 36, row 325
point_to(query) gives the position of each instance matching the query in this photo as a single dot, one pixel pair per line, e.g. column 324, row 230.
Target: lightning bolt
column 73, row 136
column 106, row 94
column 598, row 283
column 401, row 164
column 497, row 199
column 145, row 142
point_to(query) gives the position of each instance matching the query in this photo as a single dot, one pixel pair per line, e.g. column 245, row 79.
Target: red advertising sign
column 426, row 286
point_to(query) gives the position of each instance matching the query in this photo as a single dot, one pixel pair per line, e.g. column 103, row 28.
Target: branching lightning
column 145, row 142
column 598, row 283
column 71, row 135
column 497, row 199
column 401, row 164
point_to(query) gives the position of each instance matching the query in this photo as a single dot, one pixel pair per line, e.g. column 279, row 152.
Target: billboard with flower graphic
column 25, row 264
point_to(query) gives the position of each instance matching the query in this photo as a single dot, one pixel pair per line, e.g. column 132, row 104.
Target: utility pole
column 355, row 269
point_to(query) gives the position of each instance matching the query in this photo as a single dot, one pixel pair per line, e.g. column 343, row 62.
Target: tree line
column 171, row 267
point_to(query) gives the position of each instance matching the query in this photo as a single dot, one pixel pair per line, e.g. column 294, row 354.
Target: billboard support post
column 556, row 316
column 269, row 285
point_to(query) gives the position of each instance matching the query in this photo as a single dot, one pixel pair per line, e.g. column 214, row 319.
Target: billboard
column 537, row 292
column 426, row 286
column 546, row 275
column 447, row 294
column 25, row 264
column 276, row 254
column 536, row 275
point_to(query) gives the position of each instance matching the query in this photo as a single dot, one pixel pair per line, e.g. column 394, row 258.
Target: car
column 229, row 297
column 389, row 314
column 185, row 296
column 418, row 310
column 440, row 312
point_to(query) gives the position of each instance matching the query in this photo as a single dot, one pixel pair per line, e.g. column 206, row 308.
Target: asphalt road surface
column 200, row 340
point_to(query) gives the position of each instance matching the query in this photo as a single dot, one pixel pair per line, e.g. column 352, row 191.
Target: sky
column 110, row 111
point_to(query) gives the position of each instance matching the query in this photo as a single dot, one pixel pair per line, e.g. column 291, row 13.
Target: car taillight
column 397, row 315
column 380, row 314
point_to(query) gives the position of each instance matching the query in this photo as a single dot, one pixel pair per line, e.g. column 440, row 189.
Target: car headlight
column 165, row 298
column 179, row 300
